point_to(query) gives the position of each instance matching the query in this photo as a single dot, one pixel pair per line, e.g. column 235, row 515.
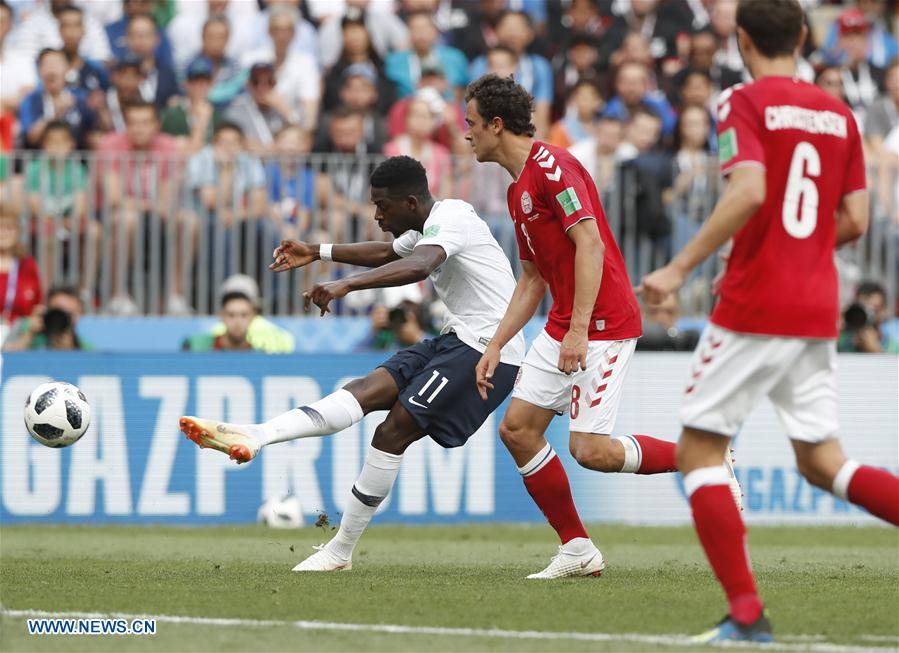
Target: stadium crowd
column 271, row 113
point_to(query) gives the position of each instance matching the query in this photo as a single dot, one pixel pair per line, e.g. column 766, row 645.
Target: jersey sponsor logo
column 431, row 231
column 546, row 160
column 527, row 204
column 808, row 120
column 569, row 201
column 727, row 145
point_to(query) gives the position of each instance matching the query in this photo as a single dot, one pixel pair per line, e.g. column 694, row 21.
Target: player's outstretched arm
column 743, row 197
column 529, row 290
column 852, row 217
column 417, row 266
column 291, row 254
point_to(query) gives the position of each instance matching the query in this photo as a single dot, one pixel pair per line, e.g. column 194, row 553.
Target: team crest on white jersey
column 527, row 205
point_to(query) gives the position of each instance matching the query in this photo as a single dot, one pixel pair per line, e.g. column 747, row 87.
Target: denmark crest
column 526, row 204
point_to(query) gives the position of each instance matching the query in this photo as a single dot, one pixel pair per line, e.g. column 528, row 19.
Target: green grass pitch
column 833, row 590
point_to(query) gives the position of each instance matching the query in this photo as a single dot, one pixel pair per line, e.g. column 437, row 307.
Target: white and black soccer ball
column 281, row 512
column 57, row 414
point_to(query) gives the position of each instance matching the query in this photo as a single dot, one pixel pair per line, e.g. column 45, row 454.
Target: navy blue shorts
column 437, row 386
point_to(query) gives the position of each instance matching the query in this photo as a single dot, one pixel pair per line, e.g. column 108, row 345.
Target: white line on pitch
column 396, row 629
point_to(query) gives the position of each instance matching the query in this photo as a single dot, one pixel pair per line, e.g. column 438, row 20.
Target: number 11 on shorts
column 434, row 375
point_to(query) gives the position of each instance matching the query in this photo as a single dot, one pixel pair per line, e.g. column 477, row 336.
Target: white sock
column 373, row 485
column 632, row 453
column 337, row 411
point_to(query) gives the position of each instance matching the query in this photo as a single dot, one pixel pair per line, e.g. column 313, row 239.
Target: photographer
column 53, row 326
column 862, row 322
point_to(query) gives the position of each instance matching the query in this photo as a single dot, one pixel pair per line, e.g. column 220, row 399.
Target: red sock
column 723, row 536
column 877, row 491
column 657, row 456
column 549, row 489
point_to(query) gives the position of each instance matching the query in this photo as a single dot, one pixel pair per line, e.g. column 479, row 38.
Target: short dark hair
column 139, row 104
column 870, row 288
column 227, row 125
column 401, row 175
column 46, row 52
column 343, row 111
column 71, row 291
column 56, row 125
column 643, row 110
column 213, row 20
column 69, row 8
column 773, row 25
column 502, row 98
column 236, row 294
column 142, row 16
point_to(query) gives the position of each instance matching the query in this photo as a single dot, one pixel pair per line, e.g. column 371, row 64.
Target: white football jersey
column 475, row 282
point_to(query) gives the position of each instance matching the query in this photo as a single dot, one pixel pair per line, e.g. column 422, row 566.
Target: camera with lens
column 858, row 316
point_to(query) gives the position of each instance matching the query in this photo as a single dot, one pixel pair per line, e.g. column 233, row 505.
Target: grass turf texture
column 840, row 585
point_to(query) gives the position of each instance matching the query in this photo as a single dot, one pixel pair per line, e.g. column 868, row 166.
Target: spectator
column 645, row 173
column 19, row 77
column 260, row 334
column 694, row 172
column 127, row 75
column 84, row 74
column 306, row 39
column 229, row 182
column 502, row 60
column 20, row 281
column 579, row 60
column 227, row 76
column 601, row 153
column 237, row 312
column 660, row 330
column 863, row 321
column 862, row 82
column 695, row 90
column 297, row 73
column 117, row 31
column 347, row 176
column 635, row 48
column 516, row 31
column 724, row 25
column 191, row 118
column 138, row 170
column 186, row 29
column 388, row 32
column 881, row 45
column 702, row 60
column 584, row 103
column 830, row 79
column 52, row 327
column 883, row 117
column 404, row 67
column 56, row 183
column 262, row 111
column 580, row 19
column 478, row 32
column 449, row 121
column 291, row 184
column 53, row 101
column 660, row 23
column 632, row 87
column 359, row 92
column 159, row 83
column 357, row 49
column 397, row 327
column 40, row 30
column 416, row 142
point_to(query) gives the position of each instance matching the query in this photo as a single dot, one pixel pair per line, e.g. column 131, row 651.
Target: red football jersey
column 553, row 193
column 781, row 279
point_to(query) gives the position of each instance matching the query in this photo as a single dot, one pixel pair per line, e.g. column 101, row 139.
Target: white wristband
column 324, row 252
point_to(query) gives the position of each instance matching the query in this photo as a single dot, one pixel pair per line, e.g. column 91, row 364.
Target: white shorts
column 731, row 371
column 590, row 396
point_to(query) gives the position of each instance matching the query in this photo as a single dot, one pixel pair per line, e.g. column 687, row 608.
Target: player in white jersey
column 429, row 388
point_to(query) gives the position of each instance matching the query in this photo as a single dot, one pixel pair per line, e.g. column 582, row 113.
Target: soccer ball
column 57, row 414
column 281, row 512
